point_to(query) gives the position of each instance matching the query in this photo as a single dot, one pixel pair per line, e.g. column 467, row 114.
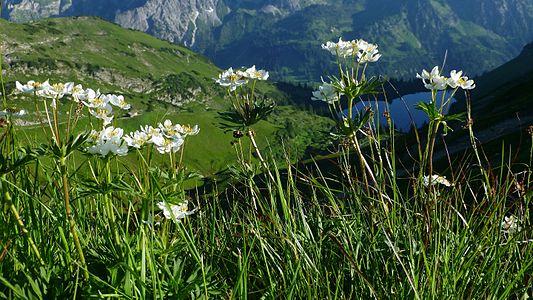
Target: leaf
column 455, row 117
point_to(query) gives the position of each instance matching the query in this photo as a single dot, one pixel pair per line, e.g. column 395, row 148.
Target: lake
column 403, row 110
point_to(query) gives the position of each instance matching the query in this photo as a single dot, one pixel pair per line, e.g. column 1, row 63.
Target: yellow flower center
column 233, row 77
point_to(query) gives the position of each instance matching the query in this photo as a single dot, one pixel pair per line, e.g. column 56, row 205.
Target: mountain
column 284, row 36
column 505, row 93
column 161, row 81
column 501, row 111
column 91, row 50
column 411, row 35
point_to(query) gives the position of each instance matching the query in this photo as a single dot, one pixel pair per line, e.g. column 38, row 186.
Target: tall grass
column 361, row 227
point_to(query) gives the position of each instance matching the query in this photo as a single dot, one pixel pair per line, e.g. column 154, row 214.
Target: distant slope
column 498, row 91
column 508, row 74
column 161, row 80
column 97, row 52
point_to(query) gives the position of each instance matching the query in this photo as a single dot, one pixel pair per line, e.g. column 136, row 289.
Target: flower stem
column 470, row 123
column 364, row 164
column 109, row 205
column 251, row 135
column 72, row 225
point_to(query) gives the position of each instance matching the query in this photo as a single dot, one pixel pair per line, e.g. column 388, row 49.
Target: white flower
column 168, row 129
column 137, row 139
column 362, row 45
column 436, row 179
column 111, row 132
column 331, row 47
column 369, row 53
column 340, row 48
column 231, row 79
column 510, row 225
column 109, row 140
column 252, row 73
column 33, row 87
column 114, row 146
column 433, row 80
column 154, row 134
column 118, row 100
column 455, row 76
column 166, row 137
column 466, row 84
column 79, row 94
column 94, row 99
column 103, row 113
column 56, row 90
column 169, row 145
column 456, row 80
column 175, row 212
column 187, row 130
column 327, row 93
column 365, row 51
column 29, row 87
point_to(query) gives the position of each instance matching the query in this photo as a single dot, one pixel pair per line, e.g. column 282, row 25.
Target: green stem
column 350, row 111
column 431, row 150
column 49, row 121
column 470, row 123
column 72, row 225
column 364, row 164
column 182, row 151
column 9, row 201
column 363, row 72
column 251, row 134
column 4, row 97
column 357, row 72
column 109, row 205
column 56, row 122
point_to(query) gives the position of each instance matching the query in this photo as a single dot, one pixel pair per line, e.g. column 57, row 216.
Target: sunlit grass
column 80, row 225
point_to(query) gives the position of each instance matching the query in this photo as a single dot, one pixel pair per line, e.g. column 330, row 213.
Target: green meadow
column 265, row 201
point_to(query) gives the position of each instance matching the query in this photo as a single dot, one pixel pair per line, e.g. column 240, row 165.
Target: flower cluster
column 108, row 140
column 436, row 179
column 45, row 89
column 364, row 51
column 175, row 212
column 233, row 79
column 166, row 137
column 435, row 81
column 99, row 105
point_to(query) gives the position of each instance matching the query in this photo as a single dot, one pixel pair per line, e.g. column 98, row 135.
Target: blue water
column 403, row 110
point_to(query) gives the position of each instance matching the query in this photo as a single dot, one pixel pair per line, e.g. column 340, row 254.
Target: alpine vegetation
column 96, row 211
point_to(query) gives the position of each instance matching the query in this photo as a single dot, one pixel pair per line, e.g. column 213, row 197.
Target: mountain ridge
column 284, row 36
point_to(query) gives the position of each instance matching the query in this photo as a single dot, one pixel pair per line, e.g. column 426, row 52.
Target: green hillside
column 161, row 80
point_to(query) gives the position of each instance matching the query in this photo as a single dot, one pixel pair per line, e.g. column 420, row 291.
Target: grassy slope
column 145, row 69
